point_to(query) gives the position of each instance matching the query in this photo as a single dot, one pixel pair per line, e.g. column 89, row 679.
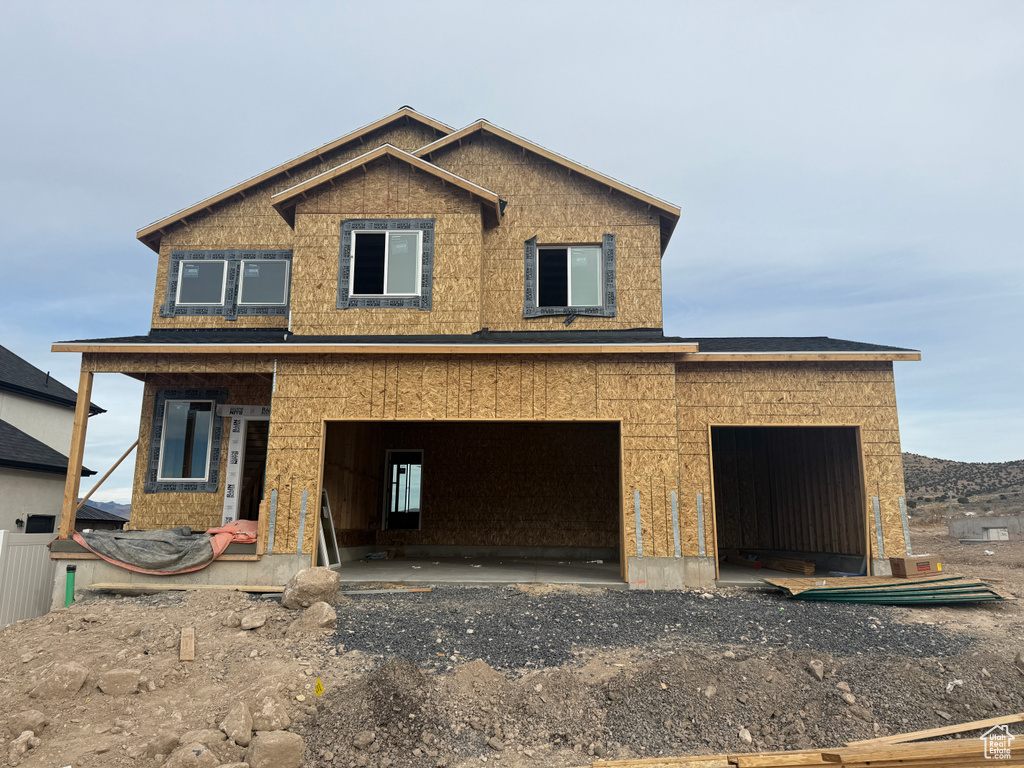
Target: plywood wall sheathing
column 251, row 222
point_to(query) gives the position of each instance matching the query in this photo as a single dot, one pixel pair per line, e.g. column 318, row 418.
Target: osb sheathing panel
column 199, row 511
column 556, row 206
column 250, row 221
column 509, row 484
column 164, row 363
column 387, row 190
column 313, row 388
column 791, row 394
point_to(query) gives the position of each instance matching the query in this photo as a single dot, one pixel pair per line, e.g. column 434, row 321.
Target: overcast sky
column 849, row 169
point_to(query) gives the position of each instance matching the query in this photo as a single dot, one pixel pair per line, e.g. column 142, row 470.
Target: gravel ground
column 512, row 629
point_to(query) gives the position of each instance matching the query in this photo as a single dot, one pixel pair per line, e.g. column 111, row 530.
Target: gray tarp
column 172, row 550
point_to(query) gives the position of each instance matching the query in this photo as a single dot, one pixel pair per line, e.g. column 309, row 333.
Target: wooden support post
column 74, row 477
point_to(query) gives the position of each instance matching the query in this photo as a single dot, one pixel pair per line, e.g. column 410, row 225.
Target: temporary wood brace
column 878, row 528
column 109, row 472
column 700, row 524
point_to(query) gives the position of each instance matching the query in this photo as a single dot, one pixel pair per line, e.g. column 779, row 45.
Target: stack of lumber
column 886, row 590
column 906, row 749
column 787, row 564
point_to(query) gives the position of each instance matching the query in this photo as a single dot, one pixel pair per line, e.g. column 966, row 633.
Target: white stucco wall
column 29, row 493
column 48, row 423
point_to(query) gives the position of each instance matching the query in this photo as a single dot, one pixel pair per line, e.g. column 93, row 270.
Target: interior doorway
column 254, row 468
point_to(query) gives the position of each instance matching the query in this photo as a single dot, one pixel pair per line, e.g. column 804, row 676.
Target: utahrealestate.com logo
column 997, row 741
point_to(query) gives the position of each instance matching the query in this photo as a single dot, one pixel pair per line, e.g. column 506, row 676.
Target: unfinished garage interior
column 789, row 493
column 464, row 488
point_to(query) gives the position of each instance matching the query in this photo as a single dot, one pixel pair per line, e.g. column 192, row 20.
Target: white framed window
column 569, row 279
column 403, row 489
column 202, row 283
column 569, row 276
column 264, row 283
column 186, row 441
column 386, row 263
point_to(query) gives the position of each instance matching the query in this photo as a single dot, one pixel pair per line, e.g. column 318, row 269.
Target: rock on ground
column 29, row 720
column 311, row 585
column 194, row 755
column 66, row 680
column 275, row 749
column 270, row 715
column 237, row 724
column 119, row 682
column 20, row 746
column 319, row 617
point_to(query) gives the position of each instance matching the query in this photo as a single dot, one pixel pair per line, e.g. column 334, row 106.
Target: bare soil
column 664, row 692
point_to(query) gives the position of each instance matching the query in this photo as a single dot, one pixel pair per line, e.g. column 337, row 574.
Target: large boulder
column 66, row 680
column 237, row 724
column 275, row 749
column 119, row 682
column 194, row 755
column 311, row 585
column 316, row 619
column 270, row 715
column 163, row 743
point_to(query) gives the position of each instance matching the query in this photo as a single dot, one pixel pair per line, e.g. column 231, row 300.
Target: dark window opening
column 403, row 478
column 368, row 271
column 553, row 278
column 40, row 524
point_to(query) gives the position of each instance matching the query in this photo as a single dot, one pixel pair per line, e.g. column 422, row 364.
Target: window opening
column 386, row 263
column 403, row 478
column 187, row 434
column 264, row 282
column 201, row 282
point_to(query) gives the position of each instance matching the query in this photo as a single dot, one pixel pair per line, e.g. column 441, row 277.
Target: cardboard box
column 909, row 567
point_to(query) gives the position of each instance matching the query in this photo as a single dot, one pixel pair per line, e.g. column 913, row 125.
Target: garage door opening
column 790, row 499
column 460, row 491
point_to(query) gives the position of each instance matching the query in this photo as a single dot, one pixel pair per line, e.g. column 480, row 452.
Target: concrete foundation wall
column 670, row 572
column 974, row 527
column 270, row 570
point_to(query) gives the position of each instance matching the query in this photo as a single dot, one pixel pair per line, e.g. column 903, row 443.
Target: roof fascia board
column 377, row 349
column 761, row 357
column 667, row 210
column 284, row 201
column 150, row 235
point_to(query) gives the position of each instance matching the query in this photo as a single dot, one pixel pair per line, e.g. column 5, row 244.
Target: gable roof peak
column 151, row 235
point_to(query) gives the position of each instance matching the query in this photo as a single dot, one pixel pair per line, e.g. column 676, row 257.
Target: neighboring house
column 95, row 519
column 456, row 335
column 36, row 417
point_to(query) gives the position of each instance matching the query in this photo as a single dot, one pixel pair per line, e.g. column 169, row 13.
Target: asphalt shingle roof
column 19, row 450
column 89, row 512
column 737, row 344
column 23, row 378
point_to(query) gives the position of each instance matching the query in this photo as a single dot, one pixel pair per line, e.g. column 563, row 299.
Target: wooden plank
column 188, row 644
column 924, row 753
column 397, row 348
column 931, row 733
column 74, row 476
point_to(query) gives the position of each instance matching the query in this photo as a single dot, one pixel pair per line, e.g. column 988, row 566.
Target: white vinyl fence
column 26, row 576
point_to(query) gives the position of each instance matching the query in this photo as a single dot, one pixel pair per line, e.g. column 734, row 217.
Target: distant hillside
column 925, row 476
column 124, row 510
